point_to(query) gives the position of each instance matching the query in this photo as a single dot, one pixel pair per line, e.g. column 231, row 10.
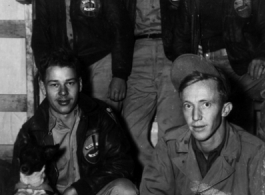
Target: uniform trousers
column 150, row 92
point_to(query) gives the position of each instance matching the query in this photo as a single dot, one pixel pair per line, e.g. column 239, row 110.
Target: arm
column 183, row 30
column 40, row 41
column 158, row 176
column 257, row 65
column 122, row 50
column 115, row 161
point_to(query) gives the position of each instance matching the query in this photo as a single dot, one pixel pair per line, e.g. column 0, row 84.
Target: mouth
column 198, row 128
column 63, row 102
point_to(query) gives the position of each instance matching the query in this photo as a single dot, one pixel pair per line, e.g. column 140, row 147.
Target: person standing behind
column 231, row 34
column 150, row 91
column 100, row 32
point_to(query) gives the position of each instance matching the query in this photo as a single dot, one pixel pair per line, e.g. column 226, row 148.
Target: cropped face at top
column 61, row 87
column 203, row 109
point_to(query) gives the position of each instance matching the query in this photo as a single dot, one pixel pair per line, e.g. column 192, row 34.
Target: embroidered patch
column 90, row 148
column 90, row 7
column 243, row 8
column 110, row 113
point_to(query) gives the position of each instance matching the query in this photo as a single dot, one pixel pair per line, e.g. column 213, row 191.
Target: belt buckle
column 217, row 53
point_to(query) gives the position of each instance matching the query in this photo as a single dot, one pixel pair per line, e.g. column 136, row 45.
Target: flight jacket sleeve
column 184, row 33
column 123, row 43
column 40, row 42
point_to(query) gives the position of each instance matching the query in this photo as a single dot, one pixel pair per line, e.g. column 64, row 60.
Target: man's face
column 61, row 87
column 202, row 109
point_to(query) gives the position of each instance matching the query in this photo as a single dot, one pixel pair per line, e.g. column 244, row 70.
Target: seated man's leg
column 169, row 107
column 119, row 187
column 139, row 105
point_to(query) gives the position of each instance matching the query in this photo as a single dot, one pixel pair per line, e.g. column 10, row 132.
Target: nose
column 196, row 115
column 63, row 90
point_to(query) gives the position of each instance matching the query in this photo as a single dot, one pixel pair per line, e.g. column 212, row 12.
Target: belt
column 149, row 36
column 215, row 54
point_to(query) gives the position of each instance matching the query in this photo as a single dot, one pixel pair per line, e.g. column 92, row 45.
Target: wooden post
column 30, row 66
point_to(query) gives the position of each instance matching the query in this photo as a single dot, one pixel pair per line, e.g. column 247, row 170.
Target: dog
column 33, row 160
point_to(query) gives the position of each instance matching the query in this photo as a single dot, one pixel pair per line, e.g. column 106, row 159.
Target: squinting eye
column 54, row 85
column 71, row 83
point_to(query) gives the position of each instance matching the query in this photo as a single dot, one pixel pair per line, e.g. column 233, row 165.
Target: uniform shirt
column 66, row 136
column 148, row 17
column 203, row 163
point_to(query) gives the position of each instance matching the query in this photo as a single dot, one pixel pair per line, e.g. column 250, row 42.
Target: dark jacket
column 109, row 31
column 243, row 31
column 111, row 160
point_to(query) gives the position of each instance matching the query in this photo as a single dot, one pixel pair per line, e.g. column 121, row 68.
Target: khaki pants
column 119, row 187
column 150, row 92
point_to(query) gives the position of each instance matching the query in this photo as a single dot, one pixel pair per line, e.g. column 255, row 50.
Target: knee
column 125, row 186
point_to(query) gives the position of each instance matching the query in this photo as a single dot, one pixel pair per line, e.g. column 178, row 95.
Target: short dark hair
column 61, row 57
column 222, row 83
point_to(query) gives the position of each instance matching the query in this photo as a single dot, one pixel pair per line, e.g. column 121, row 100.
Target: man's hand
column 117, row 89
column 256, row 68
column 70, row 191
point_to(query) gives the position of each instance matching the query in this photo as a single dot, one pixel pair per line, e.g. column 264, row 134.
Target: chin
column 200, row 137
column 65, row 110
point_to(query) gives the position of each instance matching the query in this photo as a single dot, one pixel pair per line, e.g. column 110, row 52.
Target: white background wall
column 12, row 71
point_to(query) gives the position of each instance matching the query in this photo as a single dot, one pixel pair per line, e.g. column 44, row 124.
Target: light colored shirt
column 148, row 17
column 66, row 136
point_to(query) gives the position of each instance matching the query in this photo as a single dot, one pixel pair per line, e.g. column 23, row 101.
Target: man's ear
column 42, row 87
column 80, row 84
column 227, row 107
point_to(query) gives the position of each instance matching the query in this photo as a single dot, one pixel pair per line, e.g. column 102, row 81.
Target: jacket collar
column 40, row 121
column 186, row 162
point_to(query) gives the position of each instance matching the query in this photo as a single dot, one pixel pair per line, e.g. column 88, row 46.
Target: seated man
column 209, row 155
column 96, row 159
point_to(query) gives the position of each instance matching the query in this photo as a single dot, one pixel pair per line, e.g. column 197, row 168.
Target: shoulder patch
column 90, row 148
column 111, row 114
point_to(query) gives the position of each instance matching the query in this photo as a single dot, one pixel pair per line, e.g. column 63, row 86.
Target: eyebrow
column 71, row 79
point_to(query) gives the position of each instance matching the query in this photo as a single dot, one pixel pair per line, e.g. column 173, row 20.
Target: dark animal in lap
column 33, row 160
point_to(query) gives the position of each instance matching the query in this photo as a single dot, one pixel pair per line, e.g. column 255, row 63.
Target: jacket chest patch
column 90, row 148
column 90, row 7
column 243, row 8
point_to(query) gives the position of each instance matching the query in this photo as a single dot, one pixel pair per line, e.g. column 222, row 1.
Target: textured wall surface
column 14, row 72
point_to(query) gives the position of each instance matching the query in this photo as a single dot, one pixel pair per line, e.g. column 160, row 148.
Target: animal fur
column 33, row 160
